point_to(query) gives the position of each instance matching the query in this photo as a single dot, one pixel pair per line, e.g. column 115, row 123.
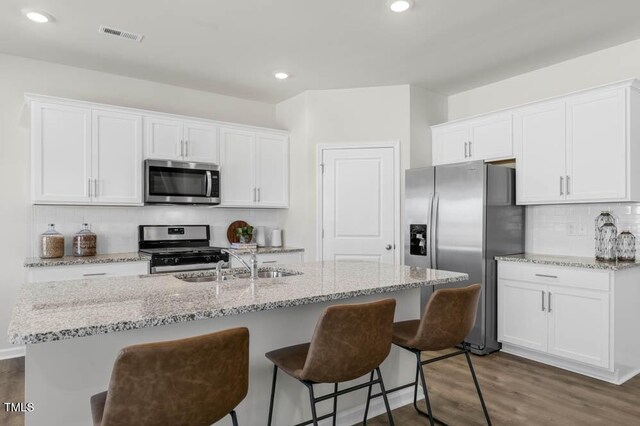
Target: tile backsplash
column 570, row 229
column 117, row 227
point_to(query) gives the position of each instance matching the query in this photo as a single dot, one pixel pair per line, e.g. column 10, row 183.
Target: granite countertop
column 47, row 312
column 271, row 250
column 36, row 262
column 570, row 261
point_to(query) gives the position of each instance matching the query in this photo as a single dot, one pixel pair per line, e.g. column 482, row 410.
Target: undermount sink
column 267, row 274
column 207, row 278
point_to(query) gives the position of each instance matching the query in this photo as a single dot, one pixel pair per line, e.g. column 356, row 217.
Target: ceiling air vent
column 120, row 33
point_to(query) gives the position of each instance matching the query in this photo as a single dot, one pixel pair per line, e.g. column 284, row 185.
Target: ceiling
column 234, row 46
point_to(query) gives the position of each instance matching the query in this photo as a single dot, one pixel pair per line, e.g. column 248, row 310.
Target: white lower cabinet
column 272, row 259
column 86, row 271
column 572, row 318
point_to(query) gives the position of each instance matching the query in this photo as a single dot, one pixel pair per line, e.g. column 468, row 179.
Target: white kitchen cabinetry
column 174, row 139
column 254, row 169
column 86, row 271
column 85, row 156
column 486, row 138
column 271, row 259
column 578, row 319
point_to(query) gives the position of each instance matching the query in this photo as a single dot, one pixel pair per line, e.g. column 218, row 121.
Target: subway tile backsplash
column 117, row 227
column 570, row 229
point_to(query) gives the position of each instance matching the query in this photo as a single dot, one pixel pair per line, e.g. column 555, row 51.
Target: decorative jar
column 626, row 246
column 51, row 243
column 606, row 236
column 84, row 242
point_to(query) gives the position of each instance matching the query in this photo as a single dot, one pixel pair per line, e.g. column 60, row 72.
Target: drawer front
column 78, row 272
column 590, row 279
column 272, row 259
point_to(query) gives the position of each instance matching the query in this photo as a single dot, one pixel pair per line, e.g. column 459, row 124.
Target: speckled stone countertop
column 47, row 312
column 570, row 261
column 272, row 250
column 36, row 262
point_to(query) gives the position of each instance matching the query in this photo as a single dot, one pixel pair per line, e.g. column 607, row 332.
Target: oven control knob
column 207, row 258
column 166, row 261
column 175, row 261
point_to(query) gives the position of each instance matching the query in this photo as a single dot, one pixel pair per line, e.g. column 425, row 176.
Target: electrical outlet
column 582, row 229
column 572, row 229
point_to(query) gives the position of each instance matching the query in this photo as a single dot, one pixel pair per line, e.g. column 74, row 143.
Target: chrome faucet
column 252, row 266
column 219, row 267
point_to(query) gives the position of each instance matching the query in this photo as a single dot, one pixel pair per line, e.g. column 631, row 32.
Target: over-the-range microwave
column 181, row 182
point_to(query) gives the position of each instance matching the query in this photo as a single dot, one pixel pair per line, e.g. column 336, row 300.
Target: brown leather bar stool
column 349, row 341
column 189, row 382
column 448, row 318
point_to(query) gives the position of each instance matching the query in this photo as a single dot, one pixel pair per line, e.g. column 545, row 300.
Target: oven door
column 180, row 182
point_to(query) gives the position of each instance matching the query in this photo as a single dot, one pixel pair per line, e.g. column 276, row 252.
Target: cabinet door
column 61, row 153
column 579, row 325
column 450, row 144
column 522, row 315
column 201, row 142
column 596, row 146
column 163, row 138
column 491, row 138
column 117, row 158
column 237, row 167
column 272, row 170
column 539, row 141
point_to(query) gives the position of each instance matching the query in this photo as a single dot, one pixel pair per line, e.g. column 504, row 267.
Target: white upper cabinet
column 117, row 158
column 84, row 156
column 487, row 138
column 539, row 135
column 596, row 146
column 254, row 169
column 171, row 139
column 61, row 154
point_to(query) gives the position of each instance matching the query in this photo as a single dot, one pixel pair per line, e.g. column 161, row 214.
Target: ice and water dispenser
column 418, row 240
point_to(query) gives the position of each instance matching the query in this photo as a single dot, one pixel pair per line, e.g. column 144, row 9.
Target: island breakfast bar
column 73, row 330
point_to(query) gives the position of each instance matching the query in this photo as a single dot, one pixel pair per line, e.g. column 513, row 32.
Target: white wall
column 548, row 226
column 20, row 75
column 427, row 109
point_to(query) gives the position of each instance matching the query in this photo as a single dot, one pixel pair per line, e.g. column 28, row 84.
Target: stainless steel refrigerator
column 458, row 218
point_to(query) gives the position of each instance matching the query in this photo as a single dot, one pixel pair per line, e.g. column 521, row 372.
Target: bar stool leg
column 273, row 394
column 384, row 396
column 312, row 398
column 475, row 381
column 335, row 403
column 234, row 418
column 426, row 392
column 366, row 407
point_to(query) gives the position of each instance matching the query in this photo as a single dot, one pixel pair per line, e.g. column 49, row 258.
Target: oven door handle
column 209, row 183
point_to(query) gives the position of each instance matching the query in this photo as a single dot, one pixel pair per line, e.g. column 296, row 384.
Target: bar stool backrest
column 349, row 341
column 195, row 381
column 448, row 318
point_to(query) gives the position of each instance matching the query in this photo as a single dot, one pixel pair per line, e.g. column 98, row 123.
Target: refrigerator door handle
column 434, row 230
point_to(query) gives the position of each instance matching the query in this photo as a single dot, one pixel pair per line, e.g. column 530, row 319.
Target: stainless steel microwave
column 181, row 182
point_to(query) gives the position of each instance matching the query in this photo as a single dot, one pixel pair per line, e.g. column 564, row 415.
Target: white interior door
column 358, row 204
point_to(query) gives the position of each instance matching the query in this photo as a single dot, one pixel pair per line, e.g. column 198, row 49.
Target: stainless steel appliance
column 458, row 218
column 181, row 182
column 175, row 248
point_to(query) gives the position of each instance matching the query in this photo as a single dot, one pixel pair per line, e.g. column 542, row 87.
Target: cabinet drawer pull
column 542, row 294
column 270, row 261
column 546, row 276
column 96, row 274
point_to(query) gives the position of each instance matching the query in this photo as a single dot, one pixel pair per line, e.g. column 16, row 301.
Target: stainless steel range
column 175, row 248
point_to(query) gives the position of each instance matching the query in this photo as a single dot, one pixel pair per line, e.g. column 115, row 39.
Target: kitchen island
column 74, row 329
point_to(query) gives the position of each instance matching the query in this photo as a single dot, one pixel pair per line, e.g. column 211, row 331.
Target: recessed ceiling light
column 37, row 16
column 400, row 5
column 281, row 75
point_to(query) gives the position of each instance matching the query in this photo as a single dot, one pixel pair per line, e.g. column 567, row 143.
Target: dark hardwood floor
column 517, row 392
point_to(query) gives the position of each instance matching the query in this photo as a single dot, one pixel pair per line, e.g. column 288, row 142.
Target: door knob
column 388, row 246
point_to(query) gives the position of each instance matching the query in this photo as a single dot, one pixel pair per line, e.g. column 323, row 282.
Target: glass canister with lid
column 51, row 243
column 84, row 242
column 626, row 246
column 606, row 237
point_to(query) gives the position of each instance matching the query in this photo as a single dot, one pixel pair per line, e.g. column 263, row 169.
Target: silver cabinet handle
column 546, row 276
column 470, row 155
column 542, row 294
column 186, row 148
column 94, row 274
column 549, row 299
column 269, row 261
column 567, row 185
column 258, row 194
column 89, row 187
column 255, row 197
column 561, row 185
column 465, row 149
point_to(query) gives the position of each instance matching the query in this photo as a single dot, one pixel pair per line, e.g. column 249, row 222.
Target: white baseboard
column 354, row 415
column 15, row 352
